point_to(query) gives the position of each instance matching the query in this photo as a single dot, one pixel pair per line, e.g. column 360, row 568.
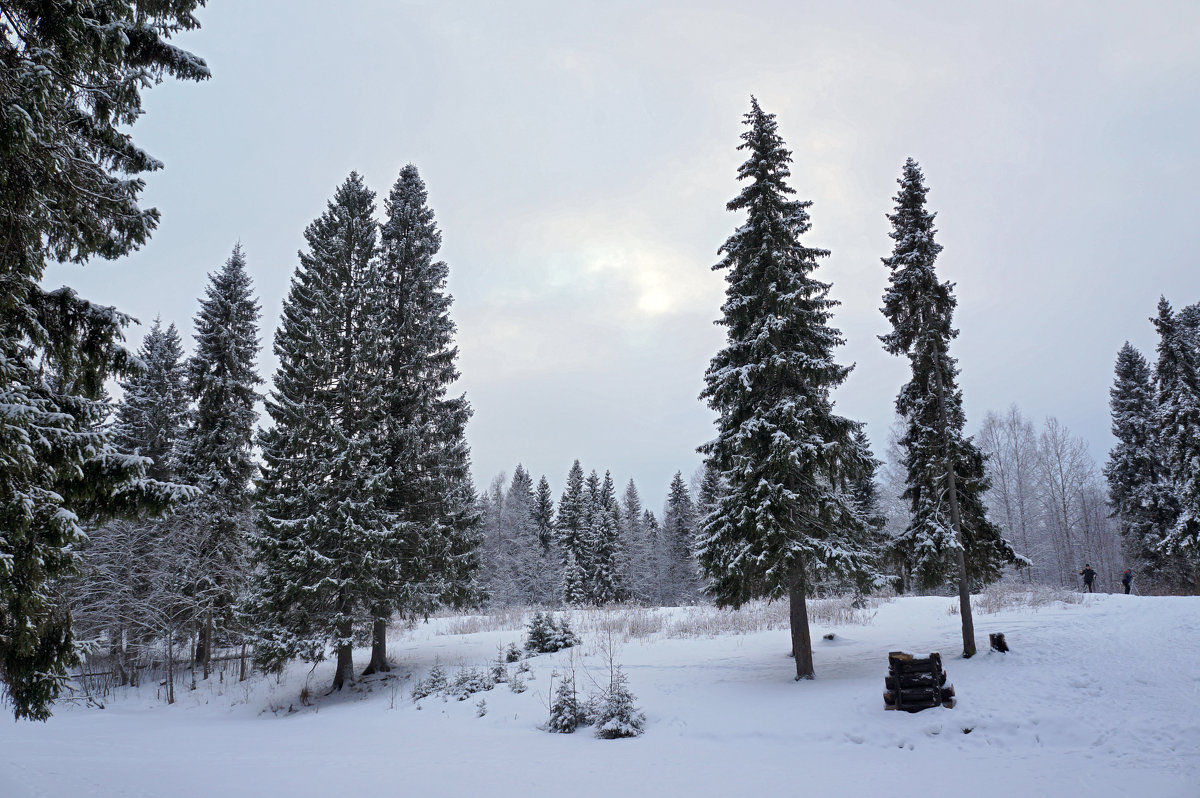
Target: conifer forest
column 458, row 377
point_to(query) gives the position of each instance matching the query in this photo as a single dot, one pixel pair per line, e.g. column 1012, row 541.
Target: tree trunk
column 345, row 661
column 170, row 668
column 242, row 673
column 379, row 661
column 964, row 589
column 801, row 638
column 206, row 643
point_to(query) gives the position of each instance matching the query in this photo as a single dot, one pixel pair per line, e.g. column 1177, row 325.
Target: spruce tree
column 949, row 531
column 321, row 514
column 1177, row 379
column 123, row 559
column 543, row 515
column 638, row 575
column 215, row 454
column 571, row 527
column 782, row 452
column 72, row 77
column 606, row 546
column 1139, row 481
column 428, row 555
column 677, row 538
column 154, row 404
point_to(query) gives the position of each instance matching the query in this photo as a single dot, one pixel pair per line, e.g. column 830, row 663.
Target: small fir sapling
column 512, row 653
column 516, row 683
column 541, row 634
column 469, row 681
column 499, row 669
column 564, row 637
column 433, row 683
column 619, row 716
column 565, row 715
column 481, row 708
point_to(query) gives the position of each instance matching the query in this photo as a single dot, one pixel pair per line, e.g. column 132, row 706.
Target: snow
column 1100, row 699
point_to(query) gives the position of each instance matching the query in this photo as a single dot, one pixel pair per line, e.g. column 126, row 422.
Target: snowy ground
column 1098, row 699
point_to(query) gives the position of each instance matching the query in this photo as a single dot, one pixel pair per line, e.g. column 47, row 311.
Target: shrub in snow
column 516, row 684
column 565, row 714
column 541, row 633
column 468, row 681
column 435, row 682
column 618, row 716
column 512, row 653
column 563, row 636
column 548, row 634
column 481, row 708
column 498, row 672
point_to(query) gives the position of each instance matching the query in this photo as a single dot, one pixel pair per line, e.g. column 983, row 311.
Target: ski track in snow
column 1099, row 699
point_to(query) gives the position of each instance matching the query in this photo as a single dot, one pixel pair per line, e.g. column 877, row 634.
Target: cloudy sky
column 579, row 158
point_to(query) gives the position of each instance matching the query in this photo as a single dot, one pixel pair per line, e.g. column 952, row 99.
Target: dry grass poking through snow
column 639, row 623
column 1006, row 596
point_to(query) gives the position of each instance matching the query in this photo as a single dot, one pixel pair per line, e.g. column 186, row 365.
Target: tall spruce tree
column 122, row 559
column 784, row 455
column 215, row 454
column 638, row 573
column 321, row 515
column 607, row 547
column 1139, row 483
column 949, row 531
column 572, row 529
column 679, row 580
column 428, row 555
column 1177, row 378
column 543, row 515
column 71, row 82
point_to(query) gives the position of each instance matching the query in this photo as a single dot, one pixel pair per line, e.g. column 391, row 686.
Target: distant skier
column 1089, row 576
column 1127, row 580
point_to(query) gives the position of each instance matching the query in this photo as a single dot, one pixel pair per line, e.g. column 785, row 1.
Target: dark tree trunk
column 345, row 661
column 964, row 589
column 379, row 660
column 801, row 637
column 206, row 644
column 242, row 673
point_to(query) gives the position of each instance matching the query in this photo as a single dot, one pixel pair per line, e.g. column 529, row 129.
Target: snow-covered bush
column 548, row 634
column 619, row 716
column 468, row 681
column 541, row 634
column 434, row 682
column 512, row 653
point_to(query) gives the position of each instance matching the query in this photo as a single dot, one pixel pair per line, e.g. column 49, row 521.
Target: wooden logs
column 915, row 684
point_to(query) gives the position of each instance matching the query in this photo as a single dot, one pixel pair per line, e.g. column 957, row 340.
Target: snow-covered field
column 1095, row 699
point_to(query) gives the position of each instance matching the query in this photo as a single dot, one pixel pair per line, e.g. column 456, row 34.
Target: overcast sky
column 579, row 158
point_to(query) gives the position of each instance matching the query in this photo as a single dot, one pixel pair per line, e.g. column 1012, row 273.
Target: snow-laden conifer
column 1177, row 380
column 127, row 589
column 572, row 531
column 72, row 81
column 543, row 515
column 781, row 450
column 1139, row 478
column 323, row 516
column 946, row 481
column 619, row 715
column 426, row 555
column 215, row 452
column 678, row 575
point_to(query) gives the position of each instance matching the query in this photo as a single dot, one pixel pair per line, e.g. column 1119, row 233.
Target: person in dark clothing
column 1089, row 576
column 1127, row 580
